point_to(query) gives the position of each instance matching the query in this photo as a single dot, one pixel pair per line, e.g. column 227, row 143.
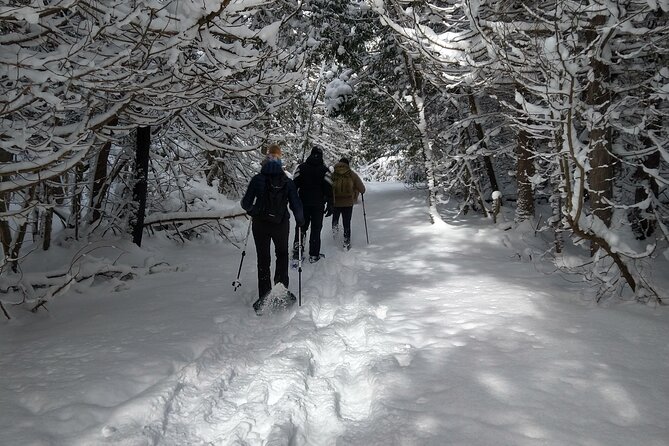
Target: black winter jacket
column 256, row 190
column 313, row 182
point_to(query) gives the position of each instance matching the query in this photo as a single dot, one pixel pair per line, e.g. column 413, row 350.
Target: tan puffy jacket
column 358, row 187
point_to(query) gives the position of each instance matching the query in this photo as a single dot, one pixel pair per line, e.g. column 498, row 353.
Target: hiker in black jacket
column 314, row 186
column 275, row 227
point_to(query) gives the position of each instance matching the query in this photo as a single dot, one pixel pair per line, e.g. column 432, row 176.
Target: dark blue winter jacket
column 313, row 181
column 256, row 190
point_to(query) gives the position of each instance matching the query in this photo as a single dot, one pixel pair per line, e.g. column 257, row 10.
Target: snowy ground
column 429, row 335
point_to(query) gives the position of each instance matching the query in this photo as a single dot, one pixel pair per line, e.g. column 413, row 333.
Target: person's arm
column 327, row 191
column 359, row 185
column 297, row 179
column 249, row 196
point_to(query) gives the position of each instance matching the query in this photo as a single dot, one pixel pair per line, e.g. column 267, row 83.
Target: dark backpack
column 272, row 205
column 342, row 184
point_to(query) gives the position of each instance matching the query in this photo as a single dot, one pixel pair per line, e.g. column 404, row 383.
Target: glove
column 328, row 211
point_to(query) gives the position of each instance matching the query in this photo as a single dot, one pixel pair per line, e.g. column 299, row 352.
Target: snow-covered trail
column 430, row 335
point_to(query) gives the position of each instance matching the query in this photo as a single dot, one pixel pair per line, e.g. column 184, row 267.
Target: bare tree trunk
column 487, row 162
column 524, row 171
column 47, row 226
column 575, row 186
column 600, row 176
column 642, row 225
column 77, row 189
column 5, row 232
column 21, row 233
column 141, row 180
column 417, row 84
column 556, row 198
column 99, row 178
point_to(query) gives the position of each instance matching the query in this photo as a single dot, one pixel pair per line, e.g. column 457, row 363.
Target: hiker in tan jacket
column 346, row 188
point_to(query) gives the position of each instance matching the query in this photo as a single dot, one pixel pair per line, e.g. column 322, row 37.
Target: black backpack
column 272, row 205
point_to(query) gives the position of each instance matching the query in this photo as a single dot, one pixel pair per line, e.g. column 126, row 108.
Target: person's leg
column 336, row 212
column 346, row 214
column 262, row 239
column 296, row 240
column 280, row 234
column 315, row 235
column 296, row 243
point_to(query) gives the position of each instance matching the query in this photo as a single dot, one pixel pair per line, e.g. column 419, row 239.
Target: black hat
column 344, row 160
column 317, row 150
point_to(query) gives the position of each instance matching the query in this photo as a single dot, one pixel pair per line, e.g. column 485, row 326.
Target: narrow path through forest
column 429, row 335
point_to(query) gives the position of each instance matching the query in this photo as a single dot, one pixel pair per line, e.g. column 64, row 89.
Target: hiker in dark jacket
column 314, row 186
column 347, row 187
column 265, row 230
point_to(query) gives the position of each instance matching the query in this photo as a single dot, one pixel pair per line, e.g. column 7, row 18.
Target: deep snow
column 430, row 335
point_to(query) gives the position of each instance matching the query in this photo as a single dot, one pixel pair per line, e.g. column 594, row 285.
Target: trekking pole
column 236, row 283
column 299, row 267
column 364, row 216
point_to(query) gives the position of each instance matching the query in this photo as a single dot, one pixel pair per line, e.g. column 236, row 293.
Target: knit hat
column 344, row 160
column 271, row 158
column 317, row 150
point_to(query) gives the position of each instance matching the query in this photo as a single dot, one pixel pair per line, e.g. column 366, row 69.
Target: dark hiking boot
column 259, row 305
column 314, row 259
column 290, row 299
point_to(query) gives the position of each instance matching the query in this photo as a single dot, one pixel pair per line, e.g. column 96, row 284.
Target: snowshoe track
column 304, row 388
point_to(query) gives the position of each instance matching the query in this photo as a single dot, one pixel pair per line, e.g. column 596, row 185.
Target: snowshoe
column 279, row 298
column 258, row 306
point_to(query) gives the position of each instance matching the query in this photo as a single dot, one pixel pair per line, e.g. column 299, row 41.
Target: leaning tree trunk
column 141, row 180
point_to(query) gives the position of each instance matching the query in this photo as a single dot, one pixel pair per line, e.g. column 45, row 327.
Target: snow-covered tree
column 77, row 77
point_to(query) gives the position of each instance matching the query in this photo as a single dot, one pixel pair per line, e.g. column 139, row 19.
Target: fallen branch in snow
column 184, row 224
column 58, row 284
column 181, row 217
column 4, row 310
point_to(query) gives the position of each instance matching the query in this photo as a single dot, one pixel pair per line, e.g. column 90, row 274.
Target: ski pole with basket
column 236, row 283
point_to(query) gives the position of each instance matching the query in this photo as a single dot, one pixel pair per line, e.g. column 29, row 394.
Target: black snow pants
column 313, row 216
column 263, row 234
column 346, row 214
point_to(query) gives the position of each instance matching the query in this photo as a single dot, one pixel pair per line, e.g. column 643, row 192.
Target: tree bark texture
column 5, row 232
column 487, row 162
column 524, row 172
column 601, row 174
column 99, row 178
column 140, row 188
